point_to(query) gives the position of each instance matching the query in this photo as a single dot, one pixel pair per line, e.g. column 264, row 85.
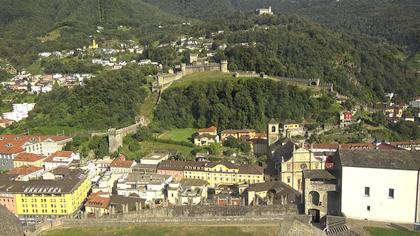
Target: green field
column 152, row 146
column 201, row 76
column 179, row 134
column 266, row 230
column 376, row 231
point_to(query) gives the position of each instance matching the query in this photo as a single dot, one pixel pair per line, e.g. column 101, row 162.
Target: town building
column 175, row 168
column 12, row 145
column 57, row 193
column 187, row 192
column 25, row 159
column 320, row 195
column 346, row 118
column 241, row 134
column 61, row 158
column 7, row 198
column 216, row 173
column 154, row 158
column 378, row 185
column 121, row 165
column 5, row 123
column 292, row 159
column 415, row 103
column 271, row 193
column 19, row 112
column 97, row 205
column 26, row 172
column 264, row 11
column 150, row 187
column 290, row 129
column 206, row 136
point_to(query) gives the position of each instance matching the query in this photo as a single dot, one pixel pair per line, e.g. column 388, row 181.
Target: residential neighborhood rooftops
column 404, row 160
column 121, row 162
column 28, row 157
column 193, row 182
column 24, row 170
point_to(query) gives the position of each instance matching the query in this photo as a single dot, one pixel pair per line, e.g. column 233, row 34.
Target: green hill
column 26, row 24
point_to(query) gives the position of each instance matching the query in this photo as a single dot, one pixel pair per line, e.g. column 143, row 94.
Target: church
column 289, row 158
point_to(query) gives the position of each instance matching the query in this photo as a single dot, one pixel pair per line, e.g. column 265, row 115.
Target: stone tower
column 272, row 132
column 224, row 66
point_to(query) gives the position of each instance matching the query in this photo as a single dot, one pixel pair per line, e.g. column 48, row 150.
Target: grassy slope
column 168, row 231
column 375, row 231
column 179, row 134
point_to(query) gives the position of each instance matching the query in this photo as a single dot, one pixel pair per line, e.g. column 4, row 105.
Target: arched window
column 273, row 128
column 314, row 198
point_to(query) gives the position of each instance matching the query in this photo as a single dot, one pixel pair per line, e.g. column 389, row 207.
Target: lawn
column 155, row 230
column 179, row 134
column 201, row 76
column 152, row 146
column 376, row 231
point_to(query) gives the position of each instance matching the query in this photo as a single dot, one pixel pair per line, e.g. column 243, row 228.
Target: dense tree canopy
column 111, row 99
column 245, row 103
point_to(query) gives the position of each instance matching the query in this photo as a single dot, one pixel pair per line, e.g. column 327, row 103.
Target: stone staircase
column 337, row 227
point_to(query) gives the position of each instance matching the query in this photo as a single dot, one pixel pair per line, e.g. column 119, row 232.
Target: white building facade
column 380, row 185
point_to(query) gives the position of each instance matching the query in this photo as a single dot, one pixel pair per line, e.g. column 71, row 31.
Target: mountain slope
column 23, row 22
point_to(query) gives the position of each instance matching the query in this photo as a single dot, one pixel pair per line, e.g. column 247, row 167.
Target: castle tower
column 183, row 68
column 224, row 66
column 272, row 132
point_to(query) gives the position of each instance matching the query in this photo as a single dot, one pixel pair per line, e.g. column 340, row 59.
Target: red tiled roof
column 28, row 157
column 95, row 200
column 208, row 130
column 62, row 154
column 121, row 162
column 407, row 142
column 24, row 170
column 6, row 121
column 12, row 143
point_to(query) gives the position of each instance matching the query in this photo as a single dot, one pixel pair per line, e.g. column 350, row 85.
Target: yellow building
column 28, row 159
column 224, row 173
column 292, row 159
column 94, row 44
column 60, row 192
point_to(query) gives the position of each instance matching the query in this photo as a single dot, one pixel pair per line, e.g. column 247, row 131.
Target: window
column 273, row 129
column 391, row 193
column 288, row 179
column 367, row 192
column 368, row 208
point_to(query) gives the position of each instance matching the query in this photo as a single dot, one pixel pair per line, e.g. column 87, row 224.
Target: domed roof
column 9, row 224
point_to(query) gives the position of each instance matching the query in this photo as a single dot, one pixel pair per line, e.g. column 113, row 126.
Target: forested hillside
column 239, row 104
column 112, row 99
column 293, row 47
column 395, row 20
column 28, row 27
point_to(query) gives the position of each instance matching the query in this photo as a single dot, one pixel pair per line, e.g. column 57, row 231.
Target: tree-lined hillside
column 238, row 104
column 112, row 99
column 30, row 27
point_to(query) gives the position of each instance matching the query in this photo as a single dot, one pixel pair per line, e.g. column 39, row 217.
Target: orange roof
column 95, row 200
column 121, row 162
column 6, row 121
column 407, row 142
column 24, row 170
column 28, row 157
column 211, row 129
column 12, row 143
column 62, row 154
